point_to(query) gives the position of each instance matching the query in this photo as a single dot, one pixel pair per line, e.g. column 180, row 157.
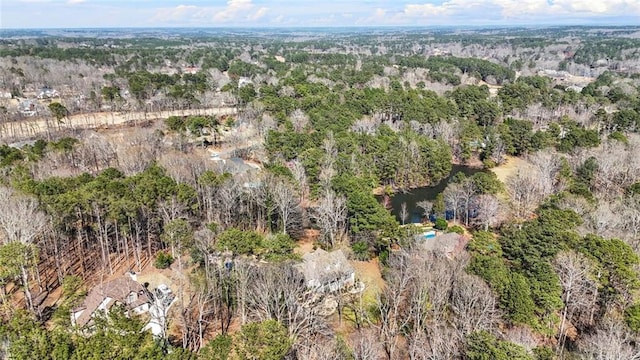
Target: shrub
column 456, row 229
column 163, row 260
column 482, row 345
column 488, row 163
column 217, row 349
column 278, row 247
column 632, row 317
column 383, row 257
column 543, row 353
column 487, row 182
column 633, row 189
column 619, row 136
column 239, row 242
column 361, row 250
column 266, row 340
column 441, row 224
column 175, row 123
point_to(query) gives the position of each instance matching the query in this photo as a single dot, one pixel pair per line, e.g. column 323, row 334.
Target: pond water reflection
column 413, row 196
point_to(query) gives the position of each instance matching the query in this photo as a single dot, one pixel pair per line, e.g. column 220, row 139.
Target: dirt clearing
column 305, row 244
column 39, row 126
column 369, row 273
column 510, row 167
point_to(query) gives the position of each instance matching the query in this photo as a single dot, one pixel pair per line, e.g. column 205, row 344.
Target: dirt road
column 39, row 126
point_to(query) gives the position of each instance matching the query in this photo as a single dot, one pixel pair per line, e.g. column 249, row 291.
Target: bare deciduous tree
column 498, row 151
column 393, row 302
column 547, row 166
column 523, row 336
column 453, row 198
column 279, row 292
column 300, row 120
column 183, row 168
column 22, row 222
column 488, row 211
column 331, row 215
column 327, row 171
column 322, row 348
column 366, row 345
column 416, row 349
column 404, row 213
column 474, row 305
column 579, row 289
column 228, row 195
column 20, row 218
column 300, row 175
column 426, row 207
column 467, row 196
column 524, row 193
column 287, row 203
column 631, row 219
column 267, row 123
column 611, row 340
column 243, row 273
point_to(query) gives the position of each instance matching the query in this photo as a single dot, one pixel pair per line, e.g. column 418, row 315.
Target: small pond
column 413, row 196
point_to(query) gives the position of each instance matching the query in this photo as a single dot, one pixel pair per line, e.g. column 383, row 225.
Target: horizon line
column 259, row 27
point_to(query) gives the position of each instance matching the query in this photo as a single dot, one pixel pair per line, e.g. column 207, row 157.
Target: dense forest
column 319, row 131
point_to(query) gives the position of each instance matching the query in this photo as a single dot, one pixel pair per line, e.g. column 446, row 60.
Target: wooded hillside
column 280, row 145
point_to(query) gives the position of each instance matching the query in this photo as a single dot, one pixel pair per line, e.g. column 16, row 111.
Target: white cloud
column 426, row 10
column 179, row 13
column 55, row 13
column 524, row 8
column 379, row 12
column 235, row 12
column 239, row 10
column 258, row 14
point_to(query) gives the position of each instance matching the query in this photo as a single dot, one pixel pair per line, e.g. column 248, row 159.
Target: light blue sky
column 296, row 13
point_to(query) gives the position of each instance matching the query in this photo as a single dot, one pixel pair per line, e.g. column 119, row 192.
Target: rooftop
column 325, row 266
column 115, row 290
column 449, row 244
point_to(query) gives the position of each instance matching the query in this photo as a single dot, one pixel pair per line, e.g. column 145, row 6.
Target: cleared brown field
column 41, row 125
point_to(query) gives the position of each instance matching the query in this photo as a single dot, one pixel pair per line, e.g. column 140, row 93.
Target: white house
column 28, row 107
column 47, row 93
column 244, row 81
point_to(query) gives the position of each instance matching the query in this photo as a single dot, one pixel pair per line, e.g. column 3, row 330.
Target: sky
column 313, row 13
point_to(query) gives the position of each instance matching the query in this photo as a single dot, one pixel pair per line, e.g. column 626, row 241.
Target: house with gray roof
column 327, row 271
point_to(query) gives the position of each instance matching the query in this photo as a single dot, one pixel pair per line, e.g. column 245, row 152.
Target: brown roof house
column 123, row 291
column 327, row 271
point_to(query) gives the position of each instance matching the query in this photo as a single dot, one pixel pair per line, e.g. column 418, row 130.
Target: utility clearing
column 42, row 125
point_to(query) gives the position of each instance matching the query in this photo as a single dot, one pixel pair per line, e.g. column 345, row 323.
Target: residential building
column 123, row 291
column 327, row 271
column 449, row 244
